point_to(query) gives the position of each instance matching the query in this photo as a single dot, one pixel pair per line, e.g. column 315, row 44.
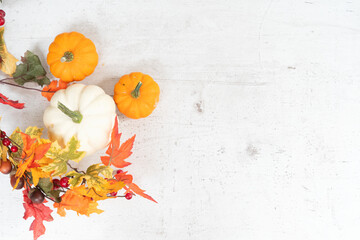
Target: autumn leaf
column 112, row 185
column 130, row 186
column 49, row 91
column 17, row 138
column 4, row 151
column 61, row 156
column 40, row 212
column 37, row 174
column 91, row 177
column 116, row 153
column 15, row 104
column 34, row 132
column 71, row 200
column 7, row 61
column 35, row 152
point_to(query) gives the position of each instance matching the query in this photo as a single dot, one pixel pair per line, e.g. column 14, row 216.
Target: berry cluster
column 6, row 166
column 36, row 194
column 6, row 142
column 2, row 17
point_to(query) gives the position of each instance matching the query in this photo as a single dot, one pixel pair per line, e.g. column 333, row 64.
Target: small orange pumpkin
column 72, row 57
column 136, row 95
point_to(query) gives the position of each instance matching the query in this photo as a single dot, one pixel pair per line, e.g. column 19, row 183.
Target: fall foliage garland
column 40, row 166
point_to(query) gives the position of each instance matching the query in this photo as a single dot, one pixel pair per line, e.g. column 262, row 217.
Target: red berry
column 117, row 171
column 3, row 134
column 2, row 13
column 56, row 183
column 113, row 194
column 2, row 21
column 6, row 142
column 128, row 196
column 64, row 182
column 14, row 149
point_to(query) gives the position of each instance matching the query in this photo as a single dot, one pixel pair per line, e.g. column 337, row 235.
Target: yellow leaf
column 100, row 193
column 8, row 61
column 34, row 132
column 4, row 150
column 37, row 173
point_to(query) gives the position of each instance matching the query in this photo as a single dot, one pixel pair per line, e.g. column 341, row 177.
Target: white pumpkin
column 84, row 111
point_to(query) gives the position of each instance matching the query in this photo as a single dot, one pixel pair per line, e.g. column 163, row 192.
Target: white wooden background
column 256, row 135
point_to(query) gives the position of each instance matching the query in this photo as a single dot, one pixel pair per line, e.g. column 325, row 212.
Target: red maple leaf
column 49, row 90
column 116, row 153
column 12, row 103
column 39, row 211
column 132, row 187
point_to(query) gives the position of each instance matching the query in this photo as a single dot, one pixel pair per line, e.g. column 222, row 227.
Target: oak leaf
column 116, row 153
column 40, row 212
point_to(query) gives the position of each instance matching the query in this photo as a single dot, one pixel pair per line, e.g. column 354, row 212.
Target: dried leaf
column 40, row 212
column 116, row 153
column 7, row 61
column 49, row 91
column 15, row 104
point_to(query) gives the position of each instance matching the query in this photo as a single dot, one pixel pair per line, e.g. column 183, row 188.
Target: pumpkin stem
column 68, row 57
column 136, row 92
column 76, row 116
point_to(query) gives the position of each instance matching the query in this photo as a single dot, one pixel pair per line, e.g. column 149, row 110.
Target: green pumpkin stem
column 76, row 116
column 136, row 92
column 68, row 57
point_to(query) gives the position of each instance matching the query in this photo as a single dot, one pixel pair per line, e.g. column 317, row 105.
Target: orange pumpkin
column 136, row 95
column 72, row 57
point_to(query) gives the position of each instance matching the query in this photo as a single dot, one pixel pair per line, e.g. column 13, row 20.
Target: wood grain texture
column 256, row 135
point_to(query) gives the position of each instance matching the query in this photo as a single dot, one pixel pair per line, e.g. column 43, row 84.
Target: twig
column 3, row 81
column 75, row 169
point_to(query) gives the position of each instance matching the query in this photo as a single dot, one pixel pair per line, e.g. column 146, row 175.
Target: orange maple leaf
column 33, row 152
column 117, row 154
column 71, row 200
column 130, row 186
column 49, row 90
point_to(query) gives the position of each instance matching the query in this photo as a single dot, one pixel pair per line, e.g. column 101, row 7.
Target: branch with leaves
column 40, row 167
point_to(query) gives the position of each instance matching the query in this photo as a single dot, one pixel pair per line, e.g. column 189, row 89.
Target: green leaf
column 30, row 70
column 55, row 194
column 45, row 184
column 61, row 156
